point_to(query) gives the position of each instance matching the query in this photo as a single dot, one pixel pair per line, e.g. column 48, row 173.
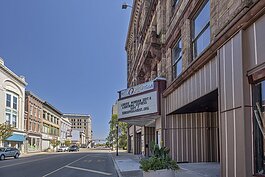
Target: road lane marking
column 88, row 170
column 64, row 166
column 10, row 165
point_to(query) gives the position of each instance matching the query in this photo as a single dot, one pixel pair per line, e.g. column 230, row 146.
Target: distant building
column 82, row 123
column 51, row 125
column 33, row 121
column 12, row 90
column 65, row 130
column 115, row 108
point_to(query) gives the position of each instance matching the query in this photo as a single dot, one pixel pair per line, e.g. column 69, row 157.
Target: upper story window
column 174, row 2
column 201, row 29
column 177, row 59
column 11, row 110
column 8, row 100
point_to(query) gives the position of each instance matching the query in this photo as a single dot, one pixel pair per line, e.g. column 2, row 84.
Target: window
column 8, row 118
column 31, row 110
column 174, row 2
column 14, row 120
column 201, row 30
column 39, row 113
column 15, row 102
column 177, row 59
column 8, row 100
column 11, row 108
column 259, row 127
column 35, row 111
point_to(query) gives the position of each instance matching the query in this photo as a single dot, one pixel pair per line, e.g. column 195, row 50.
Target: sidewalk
column 127, row 165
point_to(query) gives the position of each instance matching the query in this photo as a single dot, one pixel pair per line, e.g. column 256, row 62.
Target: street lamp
column 117, row 141
column 125, row 6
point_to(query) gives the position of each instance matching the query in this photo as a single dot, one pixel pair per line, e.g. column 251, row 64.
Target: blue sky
column 70, row 51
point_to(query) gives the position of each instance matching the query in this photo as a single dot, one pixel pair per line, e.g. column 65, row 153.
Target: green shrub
column 159, row 160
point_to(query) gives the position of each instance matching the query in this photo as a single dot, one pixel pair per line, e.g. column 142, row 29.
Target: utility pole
column 117, row 140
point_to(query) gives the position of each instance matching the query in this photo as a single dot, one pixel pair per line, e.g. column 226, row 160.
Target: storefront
column 33, row 143
column 17, row 141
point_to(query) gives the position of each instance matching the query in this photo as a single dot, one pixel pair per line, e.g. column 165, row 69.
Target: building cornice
column 13, row 75
column 69, row 115
column 30, row 93
column 52, row 107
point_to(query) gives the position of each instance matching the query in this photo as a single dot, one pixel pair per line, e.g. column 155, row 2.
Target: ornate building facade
column 210, row 54
column 12, row 95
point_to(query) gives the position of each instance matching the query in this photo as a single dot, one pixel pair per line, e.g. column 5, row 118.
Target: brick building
column 33, row 121
column 211, row 54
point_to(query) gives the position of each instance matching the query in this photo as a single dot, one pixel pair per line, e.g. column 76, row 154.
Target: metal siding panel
column 230, row 143
column 222, row 79
column 208, row 77
column 260, row 40
column 237, row 70
column 184, row 137
column 192, row 89
column 189, row 137
column 202, row 81
column 240, row 142
column 199, row 134
column 179, row 140
column 228, row 76
column 249, row 49
column 223, row 160
column 213, row 73
column 186, row 99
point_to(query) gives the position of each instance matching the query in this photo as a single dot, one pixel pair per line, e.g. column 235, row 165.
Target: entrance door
column 259, row 127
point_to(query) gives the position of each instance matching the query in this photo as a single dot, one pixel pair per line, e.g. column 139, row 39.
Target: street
column 91, row 163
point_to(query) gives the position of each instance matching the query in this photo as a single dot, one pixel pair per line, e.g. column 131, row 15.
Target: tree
column 6, row 131
column 67, row 143
column 112, row 138
column 55, row 143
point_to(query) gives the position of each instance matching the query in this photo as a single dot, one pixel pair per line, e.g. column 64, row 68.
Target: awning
column 16, row 137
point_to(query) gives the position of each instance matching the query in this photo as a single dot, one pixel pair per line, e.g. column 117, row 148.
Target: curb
column 116, row 166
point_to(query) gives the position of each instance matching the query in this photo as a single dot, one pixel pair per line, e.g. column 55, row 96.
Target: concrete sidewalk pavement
column 127, row 165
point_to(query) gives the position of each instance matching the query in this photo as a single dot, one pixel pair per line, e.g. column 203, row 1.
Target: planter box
column 159, row 173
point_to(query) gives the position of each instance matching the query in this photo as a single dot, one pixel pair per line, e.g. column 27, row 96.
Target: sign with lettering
column 137, row 89
column 138, row 105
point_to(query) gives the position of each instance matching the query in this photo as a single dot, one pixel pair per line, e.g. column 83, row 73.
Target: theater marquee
column 138, row 105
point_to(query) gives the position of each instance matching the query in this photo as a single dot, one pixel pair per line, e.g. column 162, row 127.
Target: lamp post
column 117, row 140
column 125, row 6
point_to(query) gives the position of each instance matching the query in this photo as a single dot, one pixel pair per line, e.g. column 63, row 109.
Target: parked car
column 73, row 148
column 9, row 152
column 62, row 149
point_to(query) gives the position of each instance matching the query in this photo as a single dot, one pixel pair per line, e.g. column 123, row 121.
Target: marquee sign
column 137, row 89
column 138, row 105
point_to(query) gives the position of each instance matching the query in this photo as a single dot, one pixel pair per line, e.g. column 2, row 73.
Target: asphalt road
column 64, row 164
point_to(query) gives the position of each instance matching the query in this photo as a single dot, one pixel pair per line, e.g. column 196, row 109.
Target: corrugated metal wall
column 193, row 137
column 235, row 111
column 202, row 82
column 149, row 137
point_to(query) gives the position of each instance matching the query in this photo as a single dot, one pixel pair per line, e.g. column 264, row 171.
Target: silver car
column 9, row 152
